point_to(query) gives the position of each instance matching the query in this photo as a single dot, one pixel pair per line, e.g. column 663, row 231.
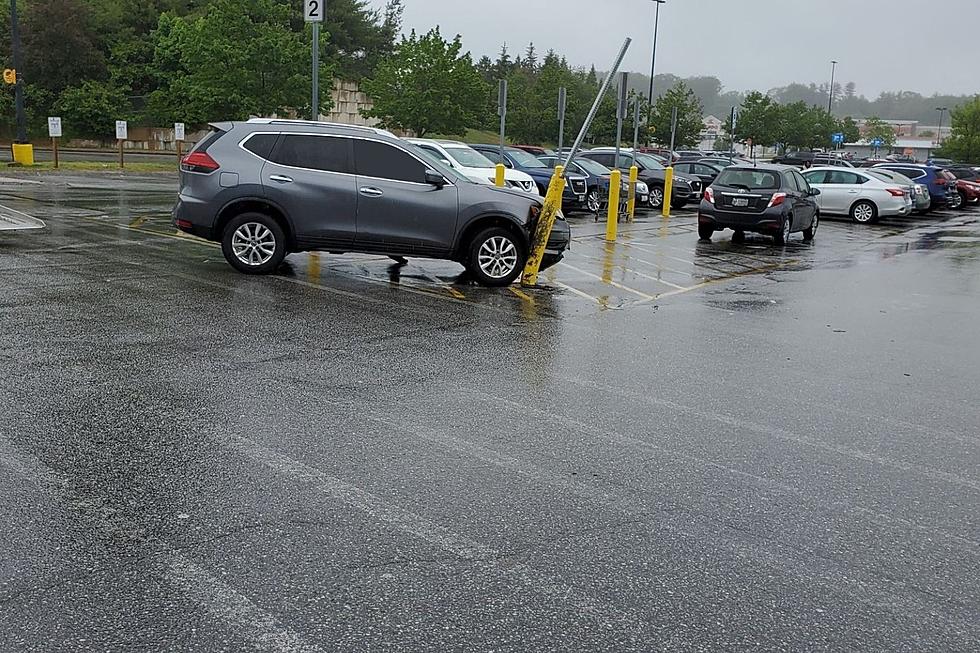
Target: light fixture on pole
column 939, row 136
column 830, row 101
column 653, row 67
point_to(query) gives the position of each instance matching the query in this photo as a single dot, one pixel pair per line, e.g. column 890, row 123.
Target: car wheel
column 592, row 201
column 656, row 197
column 811, row 231
column 864, row 212
column 958, row 200
column 253, row 243
column 738, row 236
column 496, row 257
column 784, row 230
column 705, row 232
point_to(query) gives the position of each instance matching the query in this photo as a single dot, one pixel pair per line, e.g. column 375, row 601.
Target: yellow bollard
column 23, row 153
column 668, row 190
column 631, row 207
column 542, row 232
column 612, row 218
column 500, row 181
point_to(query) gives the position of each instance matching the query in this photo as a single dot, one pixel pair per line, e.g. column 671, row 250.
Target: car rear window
column 261, row 144
column 748, row 179
column 326, row 153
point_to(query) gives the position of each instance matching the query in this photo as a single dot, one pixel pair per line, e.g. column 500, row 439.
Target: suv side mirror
column 434, row 178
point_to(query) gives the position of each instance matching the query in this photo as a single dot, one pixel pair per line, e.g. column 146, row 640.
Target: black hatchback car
column 772, row 199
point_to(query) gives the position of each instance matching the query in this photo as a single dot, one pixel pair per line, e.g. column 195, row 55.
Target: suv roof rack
column 316, row 123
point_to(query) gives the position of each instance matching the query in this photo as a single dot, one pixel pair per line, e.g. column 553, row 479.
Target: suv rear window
column 326, row 153
column 748, row 179
column 261, row 144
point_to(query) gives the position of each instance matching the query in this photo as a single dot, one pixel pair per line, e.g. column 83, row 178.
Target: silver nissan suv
column 266, row 188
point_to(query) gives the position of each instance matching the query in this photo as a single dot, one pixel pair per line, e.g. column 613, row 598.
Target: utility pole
column 939, row 136
column 830, row 101
column 19, row 85
column 653, row 68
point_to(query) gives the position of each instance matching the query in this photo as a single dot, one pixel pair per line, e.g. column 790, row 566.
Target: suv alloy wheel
column 253, row 243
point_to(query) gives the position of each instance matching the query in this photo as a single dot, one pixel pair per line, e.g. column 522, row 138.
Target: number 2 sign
column 314, row 10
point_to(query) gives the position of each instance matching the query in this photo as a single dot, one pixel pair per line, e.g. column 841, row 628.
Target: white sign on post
column 122, row 130
column 313, row 11
column 178, row 131
column 54, row 127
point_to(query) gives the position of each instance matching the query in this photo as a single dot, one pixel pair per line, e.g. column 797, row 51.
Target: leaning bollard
column 668, row 190
column 546, row 220
column 612, row 217
column 631, row 207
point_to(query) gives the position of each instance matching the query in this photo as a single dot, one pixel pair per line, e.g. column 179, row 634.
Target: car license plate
column 740, row 201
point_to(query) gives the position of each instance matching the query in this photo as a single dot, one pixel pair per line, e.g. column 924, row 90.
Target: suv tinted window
column 911, row 173
column 327, row 153
column 261, row 144
column 604, row 159
column 383, row 161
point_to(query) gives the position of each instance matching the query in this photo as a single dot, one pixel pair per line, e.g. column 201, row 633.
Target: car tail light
column 896, row 192
column 709, row 195
column 777, row 199
column 199, row 162
column 184, row 224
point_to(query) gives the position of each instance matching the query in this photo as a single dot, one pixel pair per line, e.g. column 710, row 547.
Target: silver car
column 857, row 193
column 266, row 188
column 920, row 192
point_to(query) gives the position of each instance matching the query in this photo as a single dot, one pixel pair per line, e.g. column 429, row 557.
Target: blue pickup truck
column 576, row 186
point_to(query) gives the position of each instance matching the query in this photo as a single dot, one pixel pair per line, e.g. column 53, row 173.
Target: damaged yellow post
column 542, row 231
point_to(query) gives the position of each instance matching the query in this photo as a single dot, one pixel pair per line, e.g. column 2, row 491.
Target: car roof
column 765, row 167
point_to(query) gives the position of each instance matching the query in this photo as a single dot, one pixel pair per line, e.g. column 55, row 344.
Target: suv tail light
column 709, row 195
column 896, row 192
column 199, row 162
column 777, row 199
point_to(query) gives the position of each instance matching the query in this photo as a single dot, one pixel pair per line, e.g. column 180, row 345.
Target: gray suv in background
column 266, row 188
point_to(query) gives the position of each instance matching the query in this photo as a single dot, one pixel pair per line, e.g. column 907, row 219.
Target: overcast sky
column 882, row 45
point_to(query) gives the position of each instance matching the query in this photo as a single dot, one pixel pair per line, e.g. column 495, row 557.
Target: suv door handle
column 282, row 179
column 371, row 192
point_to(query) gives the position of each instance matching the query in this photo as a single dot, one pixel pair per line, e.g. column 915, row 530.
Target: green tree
column 428, row 85
column 875, row 127
column 964, row 143
column 92, row 108
column 849, row 128
column 230, row 64
column 758, row 120
column 690, row 121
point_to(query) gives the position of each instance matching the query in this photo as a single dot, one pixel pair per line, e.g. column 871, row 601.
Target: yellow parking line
column 137, row 222
column 610, row 282
column 520, row 293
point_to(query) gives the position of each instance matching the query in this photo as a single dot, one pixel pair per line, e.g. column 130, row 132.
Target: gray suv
column 266, row 188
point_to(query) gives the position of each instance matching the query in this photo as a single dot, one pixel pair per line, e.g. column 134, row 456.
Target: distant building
column 918, row 148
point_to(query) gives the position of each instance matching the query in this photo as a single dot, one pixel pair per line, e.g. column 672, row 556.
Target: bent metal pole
column 546, row 220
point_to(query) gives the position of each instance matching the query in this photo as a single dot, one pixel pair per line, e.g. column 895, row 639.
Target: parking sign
column 313, row 11
column 54, row 127
column 122, row 130
column 178, row 131
column 839, row 137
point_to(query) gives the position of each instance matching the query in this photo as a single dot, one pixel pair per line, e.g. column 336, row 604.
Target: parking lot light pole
column 653, row 68
column 939, row 134
column 830, row 100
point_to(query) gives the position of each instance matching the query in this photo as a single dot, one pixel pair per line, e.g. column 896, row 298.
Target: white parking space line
column 608, row 281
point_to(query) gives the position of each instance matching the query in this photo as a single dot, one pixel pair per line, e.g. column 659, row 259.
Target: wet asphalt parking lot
column 671, row 445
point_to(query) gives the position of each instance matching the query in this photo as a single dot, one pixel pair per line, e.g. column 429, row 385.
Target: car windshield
column 525, row 159
column 436, row 164
column 645, row 160
column 748, row 179
column 469, row 158
column 593, row 167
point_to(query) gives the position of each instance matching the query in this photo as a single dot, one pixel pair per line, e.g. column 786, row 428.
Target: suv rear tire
column 495, row 257
column 253, row 243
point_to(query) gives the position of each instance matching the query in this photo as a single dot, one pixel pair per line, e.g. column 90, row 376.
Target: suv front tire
column 496, row 257
column 253, row 243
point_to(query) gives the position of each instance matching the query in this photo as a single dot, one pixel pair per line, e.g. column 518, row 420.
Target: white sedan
column 855, row 193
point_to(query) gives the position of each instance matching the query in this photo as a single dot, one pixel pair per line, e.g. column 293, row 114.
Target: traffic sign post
column 876, row 143
column 54, row 131
column 122, row 135
column 179, row 134
column 562, row 105
column 313, row 13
